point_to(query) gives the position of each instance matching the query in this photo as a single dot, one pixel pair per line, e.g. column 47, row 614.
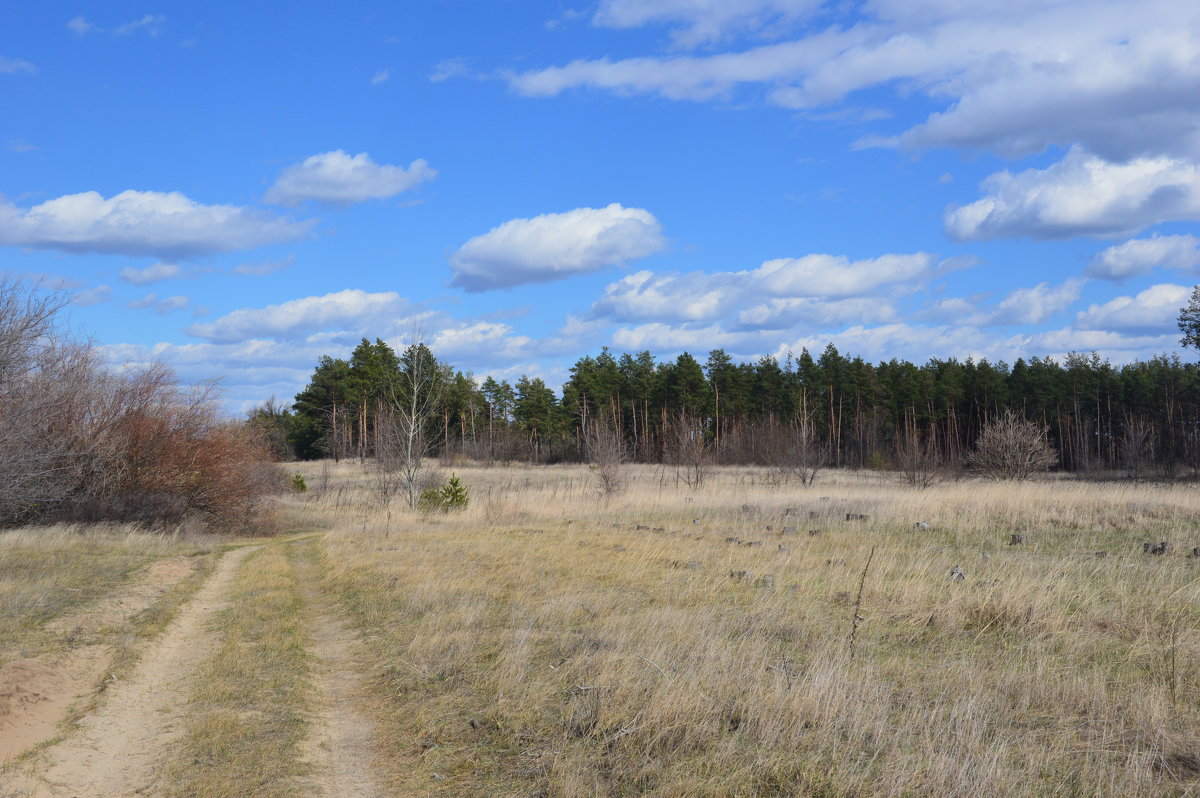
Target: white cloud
column 14, row 66
column 838, row 276
column 1081, row 195
column 20, row 146
column 1035, row 305
column 695, row 296
column 167, row 225
column 779, row 314
column 154, row 273
column 1012, row 77
column 555, row 245
column 770, row 292
column 702, row 20
column 351, row 309
column 480, row 342
column 380, row 77
column 669, row 338
column 1022, row 306
column 265, row 267
column 1154, row 310
column 168, row 304
column 80, row 26
column 450, row 68
column 1138, row 256
column 150, row 23
column 337, row 178
column 92, row 296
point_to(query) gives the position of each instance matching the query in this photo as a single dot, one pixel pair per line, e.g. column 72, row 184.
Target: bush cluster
column 79, row 441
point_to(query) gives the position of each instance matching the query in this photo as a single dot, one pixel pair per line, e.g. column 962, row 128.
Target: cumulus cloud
column 554, row 246
column 768, row 294
column 781, row 314
column 15, row 66
column 1035, row 305
column 1080, row 195
column 1012, row 77
column 838, row 276
column 1154, row 310
column 337, row 178
column 380, row 77
column 695, row 296
column 1138, row 256
column 166, row 225
column 352, row 308
column 154, row 273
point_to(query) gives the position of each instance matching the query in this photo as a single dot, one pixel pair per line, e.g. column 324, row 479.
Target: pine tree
column 1189, row 321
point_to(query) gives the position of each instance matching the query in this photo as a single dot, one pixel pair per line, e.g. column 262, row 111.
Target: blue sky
column 237, row 189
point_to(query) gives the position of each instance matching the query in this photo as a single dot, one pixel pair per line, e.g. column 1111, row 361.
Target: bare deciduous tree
column 1010, row 447
column 414, row 408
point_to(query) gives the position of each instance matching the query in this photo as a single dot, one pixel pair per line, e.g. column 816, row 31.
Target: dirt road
column 119, row 748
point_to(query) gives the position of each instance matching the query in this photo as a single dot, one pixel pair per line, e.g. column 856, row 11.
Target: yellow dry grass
column 246, row 715
column 48, row 572
column 542, row 643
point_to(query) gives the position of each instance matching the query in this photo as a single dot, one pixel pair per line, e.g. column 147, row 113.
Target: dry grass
column 49, row 572
column 246, row 715
column 540, row 643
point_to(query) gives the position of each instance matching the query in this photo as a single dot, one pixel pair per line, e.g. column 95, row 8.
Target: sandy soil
column 116, row 749
column 36, row 692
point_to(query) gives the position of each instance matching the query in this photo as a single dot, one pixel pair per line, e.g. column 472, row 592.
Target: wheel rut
column 116, row 750
column 340, row 745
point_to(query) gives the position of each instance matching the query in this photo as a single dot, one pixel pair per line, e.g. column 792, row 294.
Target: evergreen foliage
column 850, row 412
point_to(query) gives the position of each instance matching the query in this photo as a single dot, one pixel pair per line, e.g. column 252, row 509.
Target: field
column 754, row 637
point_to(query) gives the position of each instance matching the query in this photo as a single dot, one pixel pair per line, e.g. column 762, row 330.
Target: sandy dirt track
column 116, row 750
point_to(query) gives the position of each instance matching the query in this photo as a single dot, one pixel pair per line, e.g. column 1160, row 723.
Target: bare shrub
column 919, row 460
column 388, row 474
column 797, row 451
column 689, row 449
column 1012, row 448
column 80, row 442
column 607, row 454
column 1137, row 445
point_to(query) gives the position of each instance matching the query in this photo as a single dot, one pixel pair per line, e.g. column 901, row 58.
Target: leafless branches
column 410, row 433
column 607, row 454
column 689, row 449
column 796, row 450
column 1137, row 445
column 1010, row 447
column 919, row 460
column 80, row 441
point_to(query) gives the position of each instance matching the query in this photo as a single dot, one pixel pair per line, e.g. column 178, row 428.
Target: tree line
column 803, row 412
